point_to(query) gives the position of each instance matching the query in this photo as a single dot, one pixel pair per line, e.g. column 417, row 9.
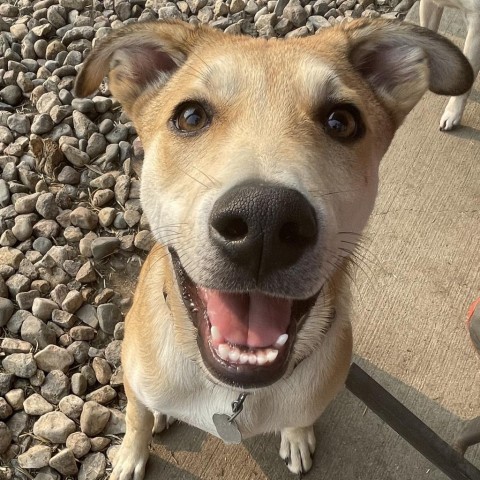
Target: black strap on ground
column 409, row 426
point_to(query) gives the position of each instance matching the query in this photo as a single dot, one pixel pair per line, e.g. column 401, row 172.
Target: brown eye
column 190, row 117
column 344, row 122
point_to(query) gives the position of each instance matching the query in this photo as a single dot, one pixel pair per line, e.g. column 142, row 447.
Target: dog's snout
column 263, row 227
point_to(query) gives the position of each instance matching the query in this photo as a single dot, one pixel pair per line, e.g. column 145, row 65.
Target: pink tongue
column 254, row 320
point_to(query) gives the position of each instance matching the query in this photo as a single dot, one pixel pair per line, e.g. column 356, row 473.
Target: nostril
column 231, row 228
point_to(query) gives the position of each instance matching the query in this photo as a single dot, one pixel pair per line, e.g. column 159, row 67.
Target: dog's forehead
column 269, row 68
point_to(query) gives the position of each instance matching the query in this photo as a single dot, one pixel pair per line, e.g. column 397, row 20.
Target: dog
column 260, row 172
column 430, row 15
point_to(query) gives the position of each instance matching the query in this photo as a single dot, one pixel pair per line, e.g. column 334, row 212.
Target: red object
column 473, row 323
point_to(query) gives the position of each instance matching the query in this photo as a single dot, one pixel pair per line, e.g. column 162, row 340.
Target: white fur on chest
column 464, row 5
column 191, row 398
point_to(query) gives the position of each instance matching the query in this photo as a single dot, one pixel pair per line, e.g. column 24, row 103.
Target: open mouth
column 245, row 339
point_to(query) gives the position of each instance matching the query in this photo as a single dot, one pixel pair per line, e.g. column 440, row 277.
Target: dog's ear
column 402, row 61
column 137, row 56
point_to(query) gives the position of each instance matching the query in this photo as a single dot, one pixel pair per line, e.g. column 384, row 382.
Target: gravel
column 72, row 231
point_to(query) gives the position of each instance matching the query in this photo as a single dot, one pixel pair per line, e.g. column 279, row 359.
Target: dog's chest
column 465, row 5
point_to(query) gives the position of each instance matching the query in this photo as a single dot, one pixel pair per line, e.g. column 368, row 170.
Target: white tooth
column 234, row 354
column 252, row 359
column 223, row 351
column 281, row 340
column 261, row 358
column 271, row 355
column 244, row 358
column 216, row 335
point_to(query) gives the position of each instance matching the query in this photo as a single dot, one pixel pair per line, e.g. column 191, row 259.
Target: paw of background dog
column 452, row 116
column 297, row 447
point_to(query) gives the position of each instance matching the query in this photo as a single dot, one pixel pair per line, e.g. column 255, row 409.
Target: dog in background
column 260, row 172
column 430, row 15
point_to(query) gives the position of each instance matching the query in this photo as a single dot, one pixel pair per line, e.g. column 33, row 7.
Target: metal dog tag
column 227, row 429
column 225, row 424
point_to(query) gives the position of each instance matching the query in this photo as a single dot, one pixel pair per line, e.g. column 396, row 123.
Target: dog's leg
column 131, row 459
column 456, row 105
column 297, row 447
column 161, row 422
column 430, row 14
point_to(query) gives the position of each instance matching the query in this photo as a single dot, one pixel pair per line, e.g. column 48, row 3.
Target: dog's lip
column 237, row 373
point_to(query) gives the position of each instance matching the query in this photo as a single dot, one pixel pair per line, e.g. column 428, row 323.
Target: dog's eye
column 190, row 117
column 343, row 122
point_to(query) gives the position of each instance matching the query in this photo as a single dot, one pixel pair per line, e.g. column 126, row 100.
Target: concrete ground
column 421, row 272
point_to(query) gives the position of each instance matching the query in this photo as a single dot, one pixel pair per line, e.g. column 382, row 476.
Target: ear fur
column 138, row 55
column 401, row 61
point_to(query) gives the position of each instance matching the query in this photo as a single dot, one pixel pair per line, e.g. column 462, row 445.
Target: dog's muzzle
column 246, row 336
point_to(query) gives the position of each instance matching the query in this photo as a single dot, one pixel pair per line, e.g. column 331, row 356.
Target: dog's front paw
column 297, row 447
column 452, row 116
column 129, row 463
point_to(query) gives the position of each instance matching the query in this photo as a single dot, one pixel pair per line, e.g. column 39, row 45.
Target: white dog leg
column 430, row 14
column 297, row 447
column 456, row 105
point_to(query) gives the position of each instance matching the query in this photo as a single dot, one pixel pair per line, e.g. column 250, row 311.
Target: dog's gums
column 245, row 339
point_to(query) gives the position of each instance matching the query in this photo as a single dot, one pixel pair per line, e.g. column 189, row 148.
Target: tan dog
column 430, row 15
column 260, row 172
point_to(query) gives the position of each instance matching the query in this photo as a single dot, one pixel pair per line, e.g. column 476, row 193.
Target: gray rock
column 53, row 357
column 75, row 156
column 37, row 333
column 107, row 180
column 100, row 443
column 82, row 333
column 71, row 406
column 102, row 197
column 26, row 204
column 84, row 218
column 84, row 105
column 14, row 345
column 12, row 95
column 35, row 457
column 20, row 364
column 82, row 125
column 79, row 444
column 5, row 409
column 11, row 257
column 69, row 176
column 88, row 314
column 43, row 308
column 169, row 13
column 15, row 398
column 144, row 240
column 102, row 370
column 116, row 423
column 47, row 101
column 79, row 384
column 109, row 315
column 106, row 216
column 94, row 418
column 54, row 427
column 42, row 245
column 6, row 380
column 64, row 462
column 4, row 193
column 237, row 6
column 79, row 350
column 25, row 299
column 18, row 423
column 86, row 274
column 102, row 395
column 63, row 319
column 23, row 228
column 94, row 464
column 19, row 123
column 35, row 404
column 6, row 311
column 42, row 123
column 55, row 387
column 5, row 437
column 103, row 247
column 96, row 145
column 295, row 13
column 73, row 301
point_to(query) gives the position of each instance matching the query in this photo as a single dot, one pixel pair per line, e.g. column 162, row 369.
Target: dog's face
column 261, row 169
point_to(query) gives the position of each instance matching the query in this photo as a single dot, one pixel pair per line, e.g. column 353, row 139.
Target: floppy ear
column 402, row 61
column 137, row 56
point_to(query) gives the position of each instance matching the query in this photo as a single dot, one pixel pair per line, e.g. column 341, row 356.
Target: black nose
column 263, row 227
